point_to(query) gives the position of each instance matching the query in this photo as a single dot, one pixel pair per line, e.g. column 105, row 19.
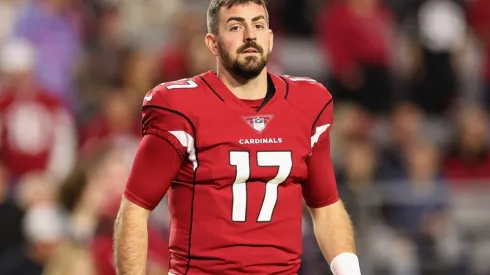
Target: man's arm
column 146, row 186
column 335, row 236
column 332, row 225
column 131, row 239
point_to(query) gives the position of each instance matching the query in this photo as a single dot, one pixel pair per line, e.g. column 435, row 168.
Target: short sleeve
column 161, row 117
column 155, row 166
column 320, row 188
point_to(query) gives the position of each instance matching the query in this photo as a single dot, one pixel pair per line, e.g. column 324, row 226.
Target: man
column 236, row 151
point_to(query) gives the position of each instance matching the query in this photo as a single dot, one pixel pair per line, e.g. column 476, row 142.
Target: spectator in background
column 92, row 188
column 441, row 36
column 417, row 209
column 174, row 61
column 117, row 124
column 91, row 196
column 45, row 230
column 37, row 133
column 356, row 176
column 53, row 28
column 105, row 58
column 406, row 128
column 352, row 123
column 140, row 74
column 469, row 156
column 356, row 37
column 479, row 19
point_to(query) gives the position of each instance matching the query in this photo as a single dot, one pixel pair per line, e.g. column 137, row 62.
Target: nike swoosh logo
column 148, row 98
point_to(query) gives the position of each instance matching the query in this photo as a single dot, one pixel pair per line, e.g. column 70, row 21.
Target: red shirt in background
column 457, row 169
column 28, row 130
column 349, row 37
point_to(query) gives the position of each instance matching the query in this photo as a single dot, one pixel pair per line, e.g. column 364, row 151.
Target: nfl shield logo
column 258, row 123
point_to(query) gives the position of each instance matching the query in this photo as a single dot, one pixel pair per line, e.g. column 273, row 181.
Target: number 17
column 241, row 160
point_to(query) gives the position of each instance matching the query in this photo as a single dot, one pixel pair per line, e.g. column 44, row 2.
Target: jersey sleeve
column 167, row 141
column 154, row 168
column 161, row 116
column 320, row 188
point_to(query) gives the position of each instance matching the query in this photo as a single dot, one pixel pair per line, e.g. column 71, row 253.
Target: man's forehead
column 247, row 11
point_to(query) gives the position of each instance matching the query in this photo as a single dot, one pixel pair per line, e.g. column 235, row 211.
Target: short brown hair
column 216, row 5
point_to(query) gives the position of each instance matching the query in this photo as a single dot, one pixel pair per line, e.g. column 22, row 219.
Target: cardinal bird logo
column 258, row 123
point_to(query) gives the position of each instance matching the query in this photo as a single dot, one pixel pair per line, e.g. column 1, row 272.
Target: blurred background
column 411, row 84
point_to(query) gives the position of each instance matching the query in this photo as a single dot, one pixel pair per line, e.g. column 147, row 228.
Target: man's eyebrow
column 241, row 19
column 257, row 18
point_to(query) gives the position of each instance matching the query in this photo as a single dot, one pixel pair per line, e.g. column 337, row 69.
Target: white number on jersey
column 189, row 84
column 241, row 160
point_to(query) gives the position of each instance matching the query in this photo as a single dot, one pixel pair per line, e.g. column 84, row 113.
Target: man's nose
column 250, row 34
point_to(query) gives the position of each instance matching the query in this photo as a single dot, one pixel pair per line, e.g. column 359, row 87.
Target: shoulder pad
column 309, row 96
column 306, row 88
column 171, row 93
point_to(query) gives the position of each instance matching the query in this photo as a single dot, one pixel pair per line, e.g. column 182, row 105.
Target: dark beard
column 248, row 69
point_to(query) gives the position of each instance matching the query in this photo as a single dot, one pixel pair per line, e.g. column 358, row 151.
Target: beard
column 250, row 67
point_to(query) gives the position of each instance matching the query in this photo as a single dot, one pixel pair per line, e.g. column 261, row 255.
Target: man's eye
column 259, row 26
column 235, row 28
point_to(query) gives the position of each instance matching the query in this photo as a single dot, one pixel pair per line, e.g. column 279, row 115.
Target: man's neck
column 245, row 89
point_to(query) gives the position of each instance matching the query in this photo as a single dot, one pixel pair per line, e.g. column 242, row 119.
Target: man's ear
column 271, row 40
column 212, row 43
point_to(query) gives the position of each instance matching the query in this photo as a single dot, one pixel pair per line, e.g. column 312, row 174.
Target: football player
column 236, row 151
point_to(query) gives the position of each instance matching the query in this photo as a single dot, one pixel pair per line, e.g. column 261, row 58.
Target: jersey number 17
column 241, row 160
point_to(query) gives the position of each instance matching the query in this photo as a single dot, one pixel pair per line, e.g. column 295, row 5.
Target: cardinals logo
column 258, row 123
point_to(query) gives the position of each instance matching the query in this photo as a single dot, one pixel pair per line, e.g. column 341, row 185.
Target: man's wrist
column 345, row 264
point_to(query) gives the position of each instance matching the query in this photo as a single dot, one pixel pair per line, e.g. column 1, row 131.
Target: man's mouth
column 250, row 50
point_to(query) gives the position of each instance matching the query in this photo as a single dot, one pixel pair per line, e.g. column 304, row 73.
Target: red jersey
column 36, row 134
column 236, row 201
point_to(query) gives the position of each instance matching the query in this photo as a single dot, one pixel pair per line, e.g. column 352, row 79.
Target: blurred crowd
column 411, row 84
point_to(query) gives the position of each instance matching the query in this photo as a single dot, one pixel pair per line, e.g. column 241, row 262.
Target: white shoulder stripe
column 188, row 142
column 318, row 132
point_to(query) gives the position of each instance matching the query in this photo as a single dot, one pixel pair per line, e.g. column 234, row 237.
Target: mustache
column 250, row 44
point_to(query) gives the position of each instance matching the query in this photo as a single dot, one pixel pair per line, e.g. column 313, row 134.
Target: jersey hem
column 138, row 201
column 323, row 203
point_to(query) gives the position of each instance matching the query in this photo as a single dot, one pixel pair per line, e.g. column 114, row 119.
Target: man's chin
column 251, row 65
column 250, row 60
column 248, row 74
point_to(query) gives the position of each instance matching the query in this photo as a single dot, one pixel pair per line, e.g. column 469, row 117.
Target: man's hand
column 131, row 239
